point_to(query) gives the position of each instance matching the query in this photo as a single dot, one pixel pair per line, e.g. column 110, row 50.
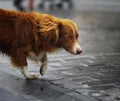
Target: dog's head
column 68, row 36
column 63, row 33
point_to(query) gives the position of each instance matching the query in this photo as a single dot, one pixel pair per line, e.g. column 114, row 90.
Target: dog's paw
column 32, row 77
column 43, row 70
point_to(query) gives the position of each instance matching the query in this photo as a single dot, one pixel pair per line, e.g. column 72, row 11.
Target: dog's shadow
column 40, row 89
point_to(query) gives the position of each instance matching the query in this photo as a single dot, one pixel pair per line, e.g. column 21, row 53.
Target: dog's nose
column 79, row 51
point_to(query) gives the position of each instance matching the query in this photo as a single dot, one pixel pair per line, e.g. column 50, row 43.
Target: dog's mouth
column 77, row 52
column 75, row 49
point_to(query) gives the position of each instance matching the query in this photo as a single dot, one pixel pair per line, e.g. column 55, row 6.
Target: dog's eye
column 70, row 37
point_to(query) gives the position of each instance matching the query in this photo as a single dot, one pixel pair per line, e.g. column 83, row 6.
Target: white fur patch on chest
column 35, row 57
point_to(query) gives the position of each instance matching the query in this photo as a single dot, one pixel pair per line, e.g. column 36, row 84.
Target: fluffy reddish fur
column 21, row 33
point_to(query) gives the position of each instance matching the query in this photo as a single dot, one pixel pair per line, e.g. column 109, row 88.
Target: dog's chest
column 35, row 57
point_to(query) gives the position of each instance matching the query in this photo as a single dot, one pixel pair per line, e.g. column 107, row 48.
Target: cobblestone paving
column 92, row 76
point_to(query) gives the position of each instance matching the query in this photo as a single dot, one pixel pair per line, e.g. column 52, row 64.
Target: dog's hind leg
column 26, row 73
column 44, row 61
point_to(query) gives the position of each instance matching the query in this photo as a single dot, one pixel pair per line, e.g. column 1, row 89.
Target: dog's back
column 7, row 27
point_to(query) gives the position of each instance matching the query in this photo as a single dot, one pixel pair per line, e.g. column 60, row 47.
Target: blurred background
column 87, row 13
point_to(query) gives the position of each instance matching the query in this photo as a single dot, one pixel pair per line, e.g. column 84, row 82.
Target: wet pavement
column 92, row 76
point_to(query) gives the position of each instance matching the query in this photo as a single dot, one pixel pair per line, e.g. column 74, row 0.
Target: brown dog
column 33, row 35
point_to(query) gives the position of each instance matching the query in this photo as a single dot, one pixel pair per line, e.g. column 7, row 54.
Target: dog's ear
column 49, row 28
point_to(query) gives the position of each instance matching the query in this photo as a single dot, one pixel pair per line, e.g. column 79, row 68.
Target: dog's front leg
column 19, row 60
column 44, row 61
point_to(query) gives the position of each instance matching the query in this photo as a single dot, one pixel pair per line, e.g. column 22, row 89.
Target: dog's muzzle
column 77, row 49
